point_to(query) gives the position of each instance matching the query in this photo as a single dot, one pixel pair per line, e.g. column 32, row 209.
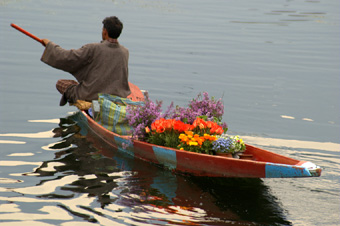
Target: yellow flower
column 182, row 136
column 193, row 143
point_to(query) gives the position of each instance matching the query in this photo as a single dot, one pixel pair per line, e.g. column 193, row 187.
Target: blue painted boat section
column 81, row 122
column 124, row 145
column 281, row 170
column 166, row 157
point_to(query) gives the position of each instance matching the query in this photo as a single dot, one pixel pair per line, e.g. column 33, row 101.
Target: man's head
column 112, row 26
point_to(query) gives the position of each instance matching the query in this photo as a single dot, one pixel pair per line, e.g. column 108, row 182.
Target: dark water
column 276, row 64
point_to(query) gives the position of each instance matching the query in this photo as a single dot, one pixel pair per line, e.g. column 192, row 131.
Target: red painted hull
column 264, row 164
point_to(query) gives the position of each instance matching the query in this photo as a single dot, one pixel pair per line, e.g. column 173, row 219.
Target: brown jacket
column 98, row 67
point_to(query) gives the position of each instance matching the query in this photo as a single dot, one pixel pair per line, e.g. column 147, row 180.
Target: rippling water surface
column 274, row 63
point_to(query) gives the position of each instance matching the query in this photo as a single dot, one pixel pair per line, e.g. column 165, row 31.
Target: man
column 98, row 67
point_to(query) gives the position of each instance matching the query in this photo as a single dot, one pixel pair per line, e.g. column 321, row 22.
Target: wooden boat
column 261, row 164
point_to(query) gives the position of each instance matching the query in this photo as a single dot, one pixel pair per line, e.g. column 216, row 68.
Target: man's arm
column 67, row 60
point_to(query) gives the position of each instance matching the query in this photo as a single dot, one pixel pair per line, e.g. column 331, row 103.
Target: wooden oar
column 27, row 33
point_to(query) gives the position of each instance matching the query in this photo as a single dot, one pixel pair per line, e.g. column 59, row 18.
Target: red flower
column 158, row 126
column 162, row 125
column 180, row 126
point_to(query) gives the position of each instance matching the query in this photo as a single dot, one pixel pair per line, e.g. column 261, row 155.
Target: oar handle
column 27, row 33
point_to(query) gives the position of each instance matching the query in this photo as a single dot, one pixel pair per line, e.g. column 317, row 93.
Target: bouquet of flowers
column 140, row 117
column 194, row 128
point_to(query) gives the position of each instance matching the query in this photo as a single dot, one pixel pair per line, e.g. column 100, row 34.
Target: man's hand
column 45, row 41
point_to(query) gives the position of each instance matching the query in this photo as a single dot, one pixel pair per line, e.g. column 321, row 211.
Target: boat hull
column 264, row 164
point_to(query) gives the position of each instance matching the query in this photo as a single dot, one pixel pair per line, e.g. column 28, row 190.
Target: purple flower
column 140, row 117
column 222, row 145
column 201, row 106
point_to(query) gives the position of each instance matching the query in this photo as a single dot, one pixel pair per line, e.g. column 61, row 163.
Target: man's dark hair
column 113, row 26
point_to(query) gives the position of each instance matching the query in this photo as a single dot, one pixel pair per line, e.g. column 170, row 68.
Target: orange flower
column 159, row 125
column 189, row 133
column 213, row 138
column 219, row 131
column 199, row 123
column 216, row 129
column 200, row 140
column 206, row 136
column 209, row 124
column 209, row 137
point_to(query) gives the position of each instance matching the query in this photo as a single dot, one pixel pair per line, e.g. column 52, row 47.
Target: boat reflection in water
column 128, row 190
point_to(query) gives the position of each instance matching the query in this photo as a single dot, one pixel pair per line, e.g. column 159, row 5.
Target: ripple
column 21, row 154
column 35, row 223
column 46, row 134
column 258, row 22
column 9, row 208
column 54, row 121
column 51, row 166
column 48, row 213
column 47, row 187
column 18, row 163
column 9, row 181
column 60, row 146
column 287, row 117
column 284, row 11
column 11, row 142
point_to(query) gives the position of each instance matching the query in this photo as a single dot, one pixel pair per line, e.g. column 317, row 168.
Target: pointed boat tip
column 316, row 172
column 313, row 169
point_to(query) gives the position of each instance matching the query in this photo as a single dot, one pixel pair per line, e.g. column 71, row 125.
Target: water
column 275, row 63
